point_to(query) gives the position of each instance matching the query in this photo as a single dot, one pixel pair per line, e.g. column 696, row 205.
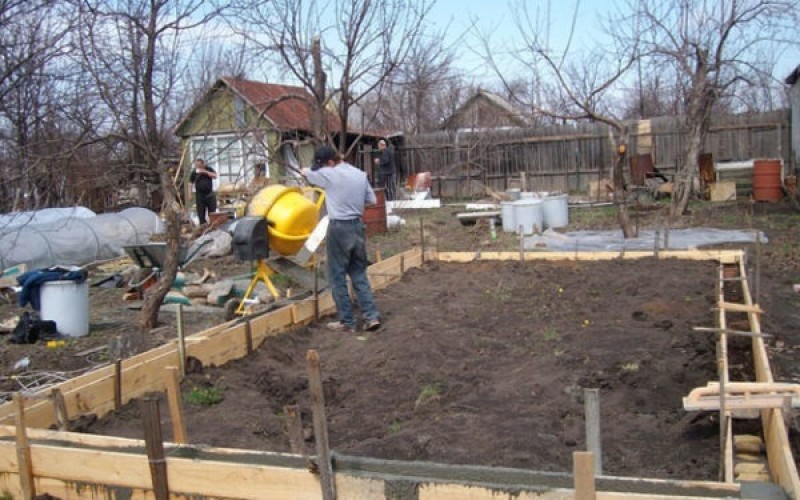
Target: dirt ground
column 485, row 363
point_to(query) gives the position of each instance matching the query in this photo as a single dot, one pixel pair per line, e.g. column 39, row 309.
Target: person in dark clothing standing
column 203, row 179
column 386, row 164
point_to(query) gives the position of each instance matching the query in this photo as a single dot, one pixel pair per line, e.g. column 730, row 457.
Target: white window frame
column 250, row 153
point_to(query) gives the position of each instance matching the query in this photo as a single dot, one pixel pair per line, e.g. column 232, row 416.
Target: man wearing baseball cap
column 347, row 191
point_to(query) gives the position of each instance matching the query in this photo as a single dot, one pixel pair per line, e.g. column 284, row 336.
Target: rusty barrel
column 767, row 180
column 375, row 215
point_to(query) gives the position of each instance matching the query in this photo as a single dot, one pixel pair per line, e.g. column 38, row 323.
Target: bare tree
column 131, row 51
column 362, row 43
column 718, row 48
column 32, row 42
column 572, row 87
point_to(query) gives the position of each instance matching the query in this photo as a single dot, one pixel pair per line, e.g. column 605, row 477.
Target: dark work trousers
column 387, row 183
column 205, row 202
column 347, row 256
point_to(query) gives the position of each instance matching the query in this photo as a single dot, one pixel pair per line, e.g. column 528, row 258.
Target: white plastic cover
column 45, row 215
column 75, row 240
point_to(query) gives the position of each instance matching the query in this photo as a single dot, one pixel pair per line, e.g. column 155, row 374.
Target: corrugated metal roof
column 287, row 107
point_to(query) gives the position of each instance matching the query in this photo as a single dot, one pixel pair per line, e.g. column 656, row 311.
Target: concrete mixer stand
column 281, row 219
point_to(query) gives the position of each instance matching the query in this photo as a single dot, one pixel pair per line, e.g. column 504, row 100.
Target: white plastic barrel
column 66, row 303
column 528, row 215
column 507, row 214
column 555, row 210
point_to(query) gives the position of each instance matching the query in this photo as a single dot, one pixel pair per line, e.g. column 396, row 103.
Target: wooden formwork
column 70, row 465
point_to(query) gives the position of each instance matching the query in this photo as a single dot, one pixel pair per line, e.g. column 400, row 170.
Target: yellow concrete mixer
column 282, row 219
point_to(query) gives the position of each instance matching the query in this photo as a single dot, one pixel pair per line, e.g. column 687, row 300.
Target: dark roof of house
column 793, row 76
column 286, row 106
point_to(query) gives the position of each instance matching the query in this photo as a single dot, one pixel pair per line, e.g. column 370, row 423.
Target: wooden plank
column 583, row 474
column 734, row 307
column 724, row 256
column 591, row 400
column 24, row 463
column 173, row 382
column 317, row 396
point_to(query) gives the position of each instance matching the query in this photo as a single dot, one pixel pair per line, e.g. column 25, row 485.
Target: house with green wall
column 241, row 125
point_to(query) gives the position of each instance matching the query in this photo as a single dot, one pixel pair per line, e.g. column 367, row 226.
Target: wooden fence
column 566, row 158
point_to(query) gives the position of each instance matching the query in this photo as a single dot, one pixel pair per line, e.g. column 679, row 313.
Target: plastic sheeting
column 43, row 216
column 588, row 241
column 75, row 240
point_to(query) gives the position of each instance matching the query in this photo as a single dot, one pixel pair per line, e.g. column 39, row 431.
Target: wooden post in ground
column 154, row 442
column 378, row 254
column 173, row 383
column 521, row 245
column 583, row 475
column 657, row 242
column 181, row 341
column 591, row 404
column 248, row 337
column 117, row 384
column 316, row 291
column 757, row 291
column 422, row 237
column 402, row 265
column 320, row 425
column 294, row 429
column 60, row 409
column 24, row 451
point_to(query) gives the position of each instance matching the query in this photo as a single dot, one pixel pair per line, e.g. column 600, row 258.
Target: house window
column 231, row 156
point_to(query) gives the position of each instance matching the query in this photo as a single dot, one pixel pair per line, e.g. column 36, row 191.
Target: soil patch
column 485, row 363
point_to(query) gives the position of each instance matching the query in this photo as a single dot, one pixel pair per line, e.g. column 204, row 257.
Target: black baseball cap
column 324, row 154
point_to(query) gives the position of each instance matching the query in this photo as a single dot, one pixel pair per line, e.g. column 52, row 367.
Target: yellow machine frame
column 264, row 272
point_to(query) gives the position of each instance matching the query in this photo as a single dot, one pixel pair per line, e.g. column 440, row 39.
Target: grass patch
column 630, row 367
column 204, row 396
column 429, row 393
column 550, row 334
column 394, row 427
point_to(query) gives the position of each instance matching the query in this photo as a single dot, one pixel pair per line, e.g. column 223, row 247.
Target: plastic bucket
column 66, row 303
column 528, row 215
column 375, row 215
column 767, row 180
column 507, row 214
column 556, row 211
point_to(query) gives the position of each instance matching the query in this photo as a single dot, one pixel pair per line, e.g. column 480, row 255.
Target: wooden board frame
column 73, row 465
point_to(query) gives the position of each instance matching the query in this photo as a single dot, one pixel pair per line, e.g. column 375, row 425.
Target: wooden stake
column 757, row 284
column 320, row 425
column 583, row 474
column 315, row 292
column 422, row 237
column 591, row 404
column 117, row 384
column 402, row 265
column 378, row 255
column 666, row 235
column 294, row 428
column 24, row 451
column 181, row 341
column 173, row 383
column 248, row 337
column 154, row 442
column 521, row 246
column 656, row 242
column 60, row 409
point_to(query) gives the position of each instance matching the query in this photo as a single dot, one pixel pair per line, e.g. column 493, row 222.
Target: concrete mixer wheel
column 230, row 308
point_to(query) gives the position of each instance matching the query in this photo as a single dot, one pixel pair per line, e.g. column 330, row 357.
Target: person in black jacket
column 203, row 179
column 386, row 170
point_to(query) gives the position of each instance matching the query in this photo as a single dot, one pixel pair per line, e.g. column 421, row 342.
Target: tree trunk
column 619, row 197
column 683, row 186
column 155, row 294
column 319, row 123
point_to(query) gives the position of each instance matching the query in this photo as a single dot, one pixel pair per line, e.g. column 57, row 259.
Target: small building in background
column 485, row 110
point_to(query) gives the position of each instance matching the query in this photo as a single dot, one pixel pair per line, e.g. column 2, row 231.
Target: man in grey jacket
column 347, row 191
